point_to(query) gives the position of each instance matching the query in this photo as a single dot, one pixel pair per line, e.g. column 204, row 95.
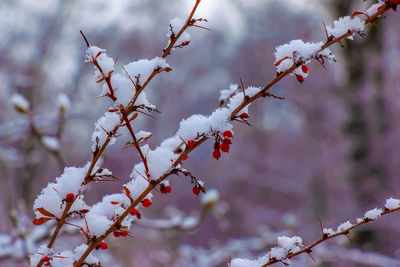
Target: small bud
column 185, row 157
column 300, row 78
column 146, row 203
column 185, row 43
column 216, row 154
column 244, row 115
column 84, row 211
column 70, row 197
column 196, row 190
column 139, row 216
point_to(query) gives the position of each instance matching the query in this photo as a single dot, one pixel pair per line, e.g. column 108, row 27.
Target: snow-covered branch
column 290, row 247
column 114, row 214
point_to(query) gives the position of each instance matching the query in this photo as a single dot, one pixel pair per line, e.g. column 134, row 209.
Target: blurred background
column 330, row 150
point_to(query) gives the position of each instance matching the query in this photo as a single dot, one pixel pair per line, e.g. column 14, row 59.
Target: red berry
column 185, row 157
column 300, row 78
column 70, row 197
column 84, row 211
column 46, row 263
column 139, row 215
column 191, row 143
column 216, row 154
column 227, row 134
column 244, row 115
column 116, row 234
column 146, row 202
column 123, row 233
column 225, row 147
column 165, row 189
column 304, row 68
column 196, row 190
column 227, row 141
column 103, row 245
column 133, row 212
column 46, row 258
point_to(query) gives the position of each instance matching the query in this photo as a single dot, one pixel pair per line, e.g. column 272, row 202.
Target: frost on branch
column 94, row 53
column 51, row 142
column 175, row 25
column 52, row 258
column 375, row 7
column 103, row 127
column 20, row 103
column 373, row 214
column 344, row 25
column 125, row 90
column 392, row 203
column 140, row 70
column 286, row 245
column 90, row 260
column 297, row 52
column 52, row 200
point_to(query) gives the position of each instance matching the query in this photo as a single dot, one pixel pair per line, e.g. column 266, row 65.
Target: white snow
column 51, row 142
column 210, row 198
column 290, row 244
column 63, row 102
column 20, row 103
column 225, row 93
column 392, row 203
column 103, row 126
column 106, row 63
column 90, row 259
column 177, row 25
column 374, row 8
column 298, row 51
column 140, row 70
column 346, row 24
column 241, row 262
column 373, row 214
column 329, row 231
column 160, row 161
column 344, row 226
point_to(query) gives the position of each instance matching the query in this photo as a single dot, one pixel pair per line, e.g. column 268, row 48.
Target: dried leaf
column 45, row 212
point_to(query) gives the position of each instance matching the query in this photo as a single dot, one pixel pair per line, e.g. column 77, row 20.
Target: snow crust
column 20, row 102
column 346, row 24
column 392, row 203
column 103, row 126
column 373, row 214
column 51, row 142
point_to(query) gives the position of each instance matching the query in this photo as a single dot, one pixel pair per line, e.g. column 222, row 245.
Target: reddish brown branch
column 325, row 237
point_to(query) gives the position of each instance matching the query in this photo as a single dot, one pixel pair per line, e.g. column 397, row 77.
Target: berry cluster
column 223, row 144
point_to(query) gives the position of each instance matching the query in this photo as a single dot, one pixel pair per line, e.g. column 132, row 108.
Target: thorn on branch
column 84, row 37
